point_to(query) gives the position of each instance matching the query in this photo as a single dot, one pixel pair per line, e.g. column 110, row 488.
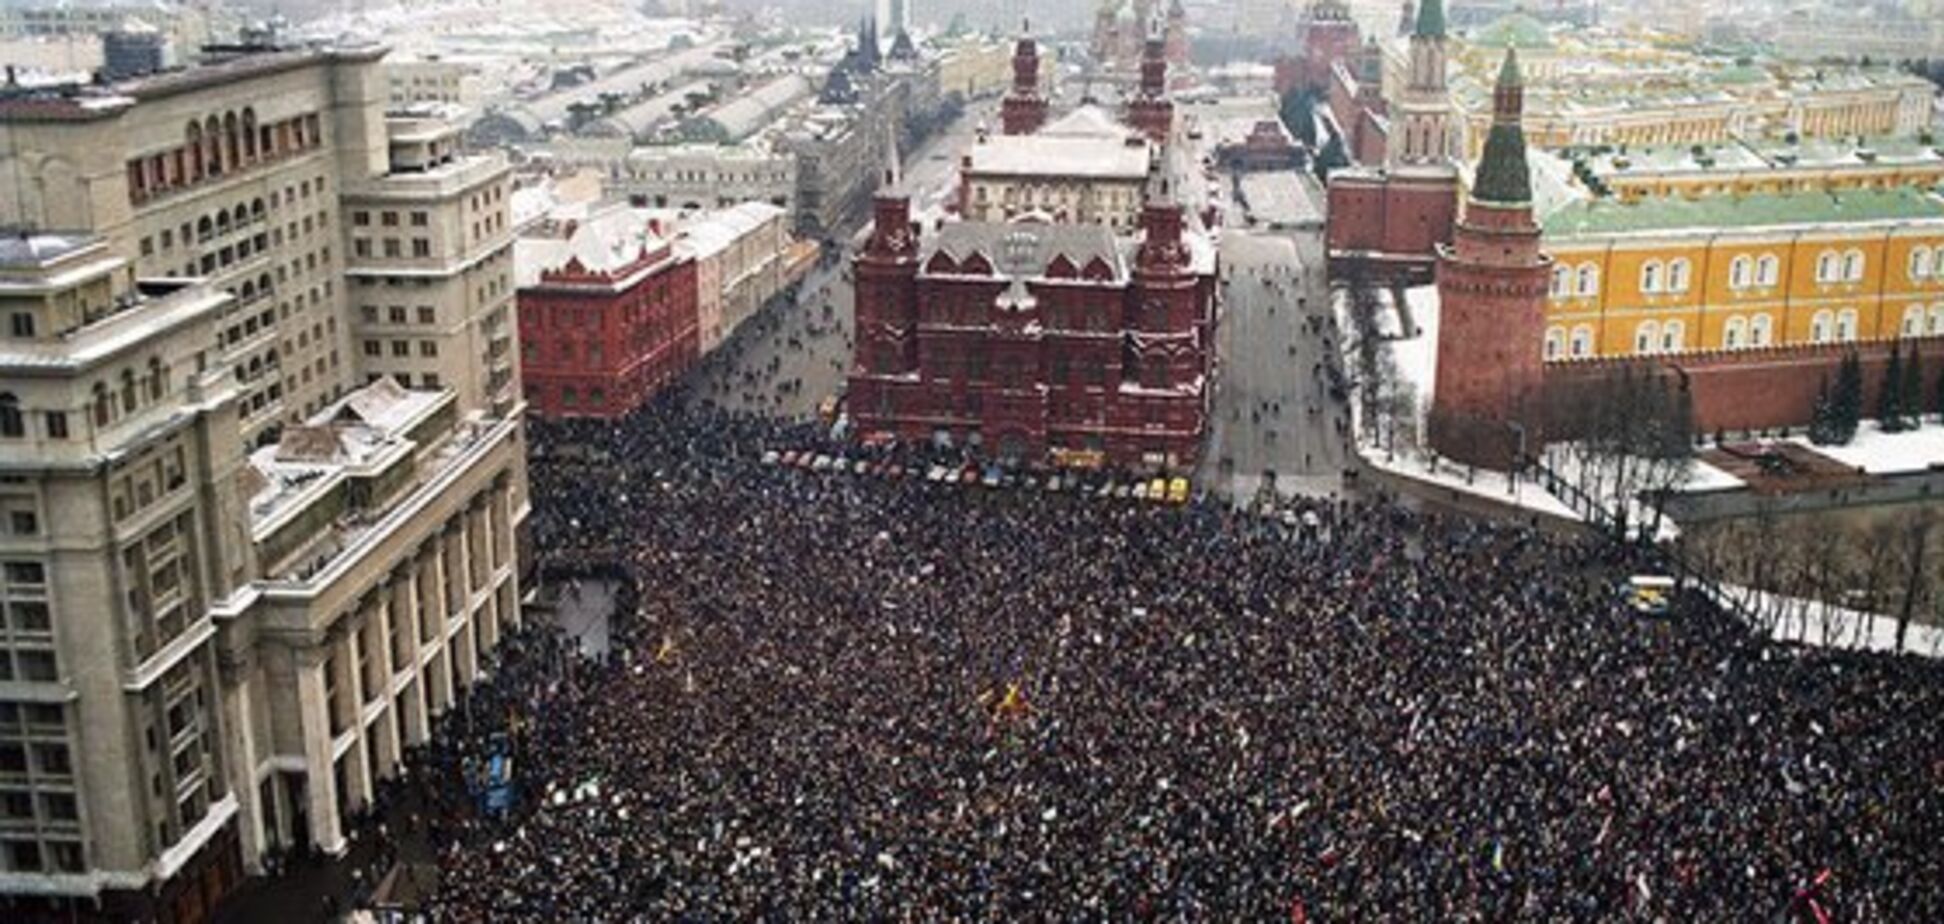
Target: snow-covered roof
column 1080, row 244
column 750, row 112
column 1118, row 158
column 363, row 428
column 601, row 239
column 716, row 231
column 1088, row 121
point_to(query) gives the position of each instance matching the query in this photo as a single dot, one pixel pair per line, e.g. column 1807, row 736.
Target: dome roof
column 1514, row 30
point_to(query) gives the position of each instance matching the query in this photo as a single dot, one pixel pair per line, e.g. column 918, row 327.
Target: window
column 1826, row 267
column 12, row 424
column 1734, row 334
column 420, row 219
column 1937, row 319
column 1920, row 262
column 1562, row 281
column 401, row 348
column 392, row 247
column 1767, row 270
column 428, row 348
column 1820, row 325
column 1672, row 335
column 360, row 219
column 1555, row 342
column 426, row 315
column 1646, row 336
column 22, row 324
column 1677, row 276
column 1650, row 277
column 1589, row 280
column 1853, row 266
column 57, row 425
column 395, row 314
column 1846, row 325
column 23, row 522
column 371, row 348
column 421, row 247
column 1741, row 272
column 1582, row 345
column 388, row 219
column 1913, row 321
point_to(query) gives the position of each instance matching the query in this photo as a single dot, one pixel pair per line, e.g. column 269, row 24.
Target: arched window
column 130, row 398
column 1646, row 336
column 222, row 222
column 1819, row 326
column 1734, row 334
column 1677, row 275
column 1673, row 335
column 1741, row 272
column 1768, row 269
column 1920, row 262
column 1555, row 342
column 1589, row 280
column 1650, row 277
column 1937, row 263
column 1846, row 325
column 1853, row 266
column 1582, row 345
column 1827, row 269
column 1937, row 319
column 12, row 425
column 1562, row 281
column 104, row 406
column 1913, row 321
column 1760, row 330
column 193, row 140
column 157, row 379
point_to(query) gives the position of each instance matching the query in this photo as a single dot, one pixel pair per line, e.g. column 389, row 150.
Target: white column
column 320, row 786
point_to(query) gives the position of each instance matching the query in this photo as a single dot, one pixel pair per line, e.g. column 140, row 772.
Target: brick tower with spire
column 1150, row 111
column 1487, row 406
column 886, row 299
column 1024, row 109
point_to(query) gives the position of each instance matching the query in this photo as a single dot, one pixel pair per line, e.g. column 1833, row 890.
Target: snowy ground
column 1812, row 622
column 1881, row 453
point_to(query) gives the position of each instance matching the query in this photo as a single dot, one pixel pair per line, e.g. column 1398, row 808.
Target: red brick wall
column 1754, row 389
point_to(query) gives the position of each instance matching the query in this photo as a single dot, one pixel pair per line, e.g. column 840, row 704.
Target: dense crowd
column 836, row 697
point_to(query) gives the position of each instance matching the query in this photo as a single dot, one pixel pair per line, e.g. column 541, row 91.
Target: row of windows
column 401, row 348
column 1926, row 263
column 1740, row 332
column 1674, row 277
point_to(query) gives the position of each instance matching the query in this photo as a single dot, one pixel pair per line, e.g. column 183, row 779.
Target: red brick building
column 1328, row 35
column 1487, row 403
column 1023, row 110
column 1150, row 111
column 608, row 314
column 1035, row 340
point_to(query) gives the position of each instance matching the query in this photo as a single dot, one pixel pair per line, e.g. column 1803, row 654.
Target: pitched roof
column 1080, row 244
column 1598, row 217
column 1431, row 19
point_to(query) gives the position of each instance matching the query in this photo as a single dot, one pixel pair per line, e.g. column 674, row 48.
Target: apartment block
column 244, row 564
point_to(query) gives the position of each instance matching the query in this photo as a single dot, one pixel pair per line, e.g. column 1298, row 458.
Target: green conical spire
column 1503, row 177
column 1431, row 19
column 1509, row 74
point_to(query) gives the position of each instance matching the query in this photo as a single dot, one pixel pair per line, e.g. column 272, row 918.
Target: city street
column 784, row 362
column 1273, row 414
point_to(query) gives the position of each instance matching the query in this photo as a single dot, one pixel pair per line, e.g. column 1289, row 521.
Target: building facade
column 1671, row 275
column 1037, row 341
column 430, row 266
column 1024, row 109
column 1085, row 168
column 1389, row 216
column 607, row 313
column 1488, row 403
column 248, row 582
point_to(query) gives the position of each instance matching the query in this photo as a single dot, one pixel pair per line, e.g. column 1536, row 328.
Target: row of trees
column 1902, row 398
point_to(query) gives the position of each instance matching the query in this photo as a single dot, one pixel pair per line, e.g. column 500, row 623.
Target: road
column 1273, row 414
column 786, row 360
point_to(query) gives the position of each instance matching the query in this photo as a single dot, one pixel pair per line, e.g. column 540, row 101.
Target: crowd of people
column 836, row 697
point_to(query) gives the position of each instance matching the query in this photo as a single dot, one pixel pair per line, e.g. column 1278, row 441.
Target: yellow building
column 1674, row 275
column 1738, row 168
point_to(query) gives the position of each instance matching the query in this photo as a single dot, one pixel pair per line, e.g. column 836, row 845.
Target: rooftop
column 1053, row 155
column 1596, row 217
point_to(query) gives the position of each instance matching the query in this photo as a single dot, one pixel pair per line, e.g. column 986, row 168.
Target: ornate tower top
column 1503, row 178
column 1431, row 20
